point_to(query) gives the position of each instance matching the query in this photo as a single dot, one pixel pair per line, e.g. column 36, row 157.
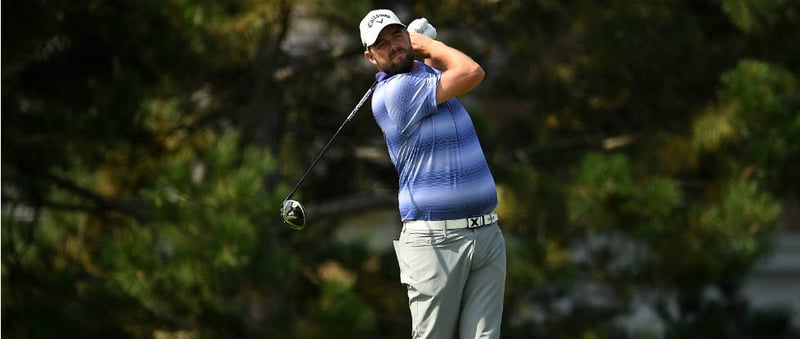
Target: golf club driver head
column 293, row 214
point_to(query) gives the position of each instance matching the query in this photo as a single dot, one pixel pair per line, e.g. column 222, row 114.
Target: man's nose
column 396, row 46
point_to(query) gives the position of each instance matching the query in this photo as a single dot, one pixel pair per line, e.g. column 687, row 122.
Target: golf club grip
column 325, row 148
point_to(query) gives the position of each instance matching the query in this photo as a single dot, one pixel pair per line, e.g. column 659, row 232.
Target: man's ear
column 370, row 57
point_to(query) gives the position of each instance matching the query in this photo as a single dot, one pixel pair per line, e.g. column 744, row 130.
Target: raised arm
column 460, row 74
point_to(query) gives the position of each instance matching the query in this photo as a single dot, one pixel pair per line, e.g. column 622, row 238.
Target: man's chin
column 404, row 66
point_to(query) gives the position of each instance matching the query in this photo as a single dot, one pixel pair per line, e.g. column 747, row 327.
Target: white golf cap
column 374, row 22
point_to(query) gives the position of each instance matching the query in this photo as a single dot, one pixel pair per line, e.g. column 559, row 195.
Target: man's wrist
column 434, row 49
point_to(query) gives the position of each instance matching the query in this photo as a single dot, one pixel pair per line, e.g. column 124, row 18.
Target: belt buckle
column 472, row 222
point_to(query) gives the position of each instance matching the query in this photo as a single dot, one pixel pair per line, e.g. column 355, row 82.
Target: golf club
column 292, row 211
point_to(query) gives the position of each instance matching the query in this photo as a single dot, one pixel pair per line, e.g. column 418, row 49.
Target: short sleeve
column 409, row 98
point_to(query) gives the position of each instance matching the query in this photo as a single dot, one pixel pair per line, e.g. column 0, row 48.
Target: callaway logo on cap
column 374, row 22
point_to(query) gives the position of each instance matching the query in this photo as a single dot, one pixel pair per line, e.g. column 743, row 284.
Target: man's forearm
column 447, row 58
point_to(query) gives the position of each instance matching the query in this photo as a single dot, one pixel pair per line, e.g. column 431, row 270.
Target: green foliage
column 751, row 16
column 606, row 196
column 740, row 222
column 757, row 121
column 207, row 226
column 338, row 304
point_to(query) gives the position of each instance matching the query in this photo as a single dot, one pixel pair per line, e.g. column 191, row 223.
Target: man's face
column 392, row 52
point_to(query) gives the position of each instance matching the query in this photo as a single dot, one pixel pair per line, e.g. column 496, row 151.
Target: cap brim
column 373, row 37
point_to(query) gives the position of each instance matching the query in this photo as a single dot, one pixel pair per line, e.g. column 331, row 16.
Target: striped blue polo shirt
column 442, row 170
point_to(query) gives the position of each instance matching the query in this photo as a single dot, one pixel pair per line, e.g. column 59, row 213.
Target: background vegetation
column 642, row 149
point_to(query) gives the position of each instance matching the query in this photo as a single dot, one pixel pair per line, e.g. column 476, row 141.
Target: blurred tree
column 633, row 83
column 125, row 192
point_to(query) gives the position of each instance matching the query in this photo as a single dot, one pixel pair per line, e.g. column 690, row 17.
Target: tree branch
column 95, row 202
column 352, row 204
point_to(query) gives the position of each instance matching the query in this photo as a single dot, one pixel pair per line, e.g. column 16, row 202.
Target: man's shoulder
column 425, row 68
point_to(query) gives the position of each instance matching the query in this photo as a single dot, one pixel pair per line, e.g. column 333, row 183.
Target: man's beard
column 405, row 65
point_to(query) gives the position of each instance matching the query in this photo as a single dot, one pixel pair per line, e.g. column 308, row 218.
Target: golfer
column 451, row 251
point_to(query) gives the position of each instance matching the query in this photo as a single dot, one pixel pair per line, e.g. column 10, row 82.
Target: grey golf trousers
column 455, row 280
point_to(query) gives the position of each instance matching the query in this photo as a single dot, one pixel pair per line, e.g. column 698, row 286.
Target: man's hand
column 422, row 26
column 421, row 45
column 416, row 29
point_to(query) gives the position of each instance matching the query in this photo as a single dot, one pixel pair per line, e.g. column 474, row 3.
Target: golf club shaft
column 316, row 160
